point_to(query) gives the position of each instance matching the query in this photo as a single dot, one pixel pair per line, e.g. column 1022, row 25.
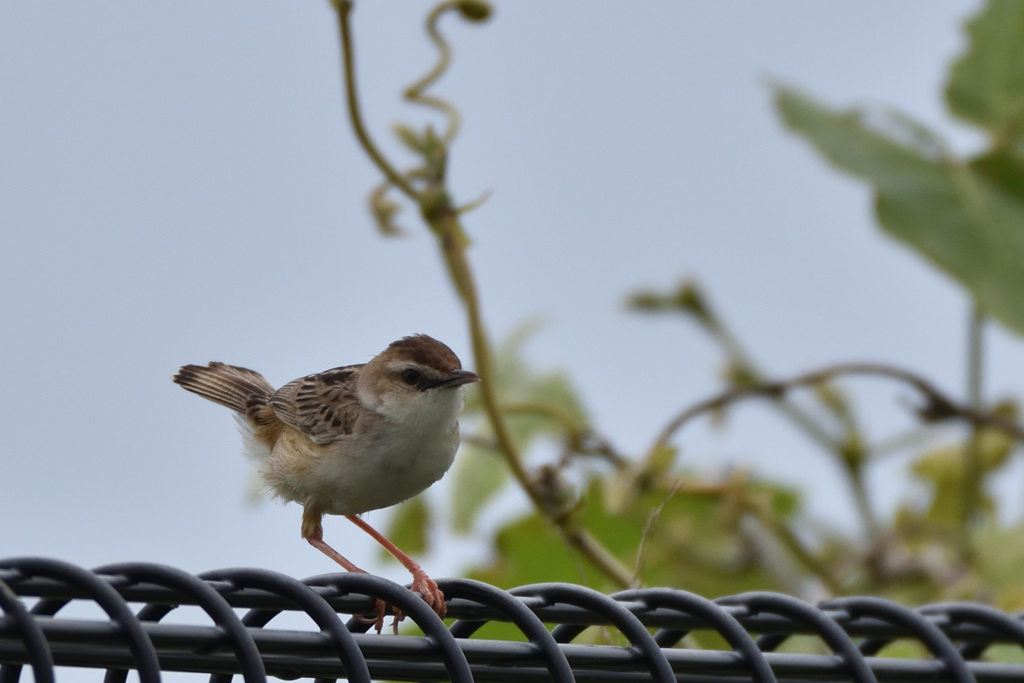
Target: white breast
column 387, row 463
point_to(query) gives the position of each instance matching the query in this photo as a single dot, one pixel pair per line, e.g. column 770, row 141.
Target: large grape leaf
column 986, row 85
column 964, row 217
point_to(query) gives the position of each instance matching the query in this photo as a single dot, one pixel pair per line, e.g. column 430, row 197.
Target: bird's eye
column 411, row 376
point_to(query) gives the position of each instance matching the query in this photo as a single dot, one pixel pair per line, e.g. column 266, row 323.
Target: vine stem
column 344, row 9
column 971, row 465
column 446, row 225
column 443, row 220
column 414, row 92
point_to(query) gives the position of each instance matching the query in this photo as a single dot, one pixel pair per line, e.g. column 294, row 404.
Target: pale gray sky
column 179, row 185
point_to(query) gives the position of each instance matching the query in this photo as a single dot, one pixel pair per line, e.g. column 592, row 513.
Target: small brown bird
column 352, row 439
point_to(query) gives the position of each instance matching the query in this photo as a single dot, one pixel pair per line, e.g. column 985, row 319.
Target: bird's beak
column 457, row 378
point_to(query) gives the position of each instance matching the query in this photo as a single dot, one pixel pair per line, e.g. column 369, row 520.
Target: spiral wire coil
column 241, row 604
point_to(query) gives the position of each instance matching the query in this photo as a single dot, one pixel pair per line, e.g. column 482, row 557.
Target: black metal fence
column 237, row 636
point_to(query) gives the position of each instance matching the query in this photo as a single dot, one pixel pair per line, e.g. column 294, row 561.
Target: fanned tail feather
column 240, row 389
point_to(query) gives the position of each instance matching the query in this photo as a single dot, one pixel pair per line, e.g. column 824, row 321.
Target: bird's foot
column 380, row 612
column 427, row 587
column 422, row 584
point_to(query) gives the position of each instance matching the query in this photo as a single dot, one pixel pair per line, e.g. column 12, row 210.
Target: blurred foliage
column 609, row 519
column 964, row 215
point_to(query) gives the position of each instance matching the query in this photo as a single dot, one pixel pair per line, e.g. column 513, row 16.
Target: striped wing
column 323, row 406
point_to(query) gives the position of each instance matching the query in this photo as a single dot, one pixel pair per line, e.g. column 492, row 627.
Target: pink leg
column 313, row 532
column 421, row 583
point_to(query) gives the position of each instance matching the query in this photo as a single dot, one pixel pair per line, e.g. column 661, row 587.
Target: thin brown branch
column 937, row 405
column 580, row 437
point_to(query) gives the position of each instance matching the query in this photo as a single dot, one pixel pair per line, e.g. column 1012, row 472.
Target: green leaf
column 687, row 298
column 1002, row 170
column 414, row 140
column 479, row 475
column 408, row 527
column 384, row 210
column 526, row 550
column 948, row 211
column 986, row 85
column 540, row 403
column 942, row 469
column 536, row 404
column 1001, row 555
column 661, row 459
column 426, row 145
column 693, row 543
